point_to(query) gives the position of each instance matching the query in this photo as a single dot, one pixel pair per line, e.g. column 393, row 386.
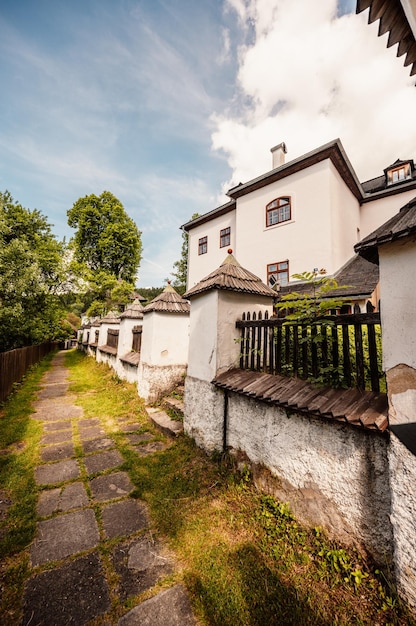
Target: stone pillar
column 164, row 350
column 217, row 302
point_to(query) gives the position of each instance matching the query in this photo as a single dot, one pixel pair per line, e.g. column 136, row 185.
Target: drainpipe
column 225, row 422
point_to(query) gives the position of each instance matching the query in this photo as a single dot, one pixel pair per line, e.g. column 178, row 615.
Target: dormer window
column 398, row 173
column 278, row 211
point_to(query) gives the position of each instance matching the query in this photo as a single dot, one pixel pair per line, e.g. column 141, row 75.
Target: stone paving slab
column 168, row 608
column 53, row 391
column 56, row 412
column 57, row 452
column 56, row 436
column 139, row 565
column 53, row 426
column 95, row 445
column 64, row 535
column 111, row 486
column 90, row 433
column 57, row 472
column 161, row 420
column 129, row 427
column 136, row 438
column 103, row 461
column 72, row 594
column 150, row 448
column 124, row 518
column 62, row 500
column 87, row 422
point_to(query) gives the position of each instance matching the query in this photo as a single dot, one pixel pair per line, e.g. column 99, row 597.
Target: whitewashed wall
column 164, row 353
column 332, row 475
column 398, row 306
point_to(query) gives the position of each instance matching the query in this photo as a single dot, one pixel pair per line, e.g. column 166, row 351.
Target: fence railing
column 15, row 363
column 338, row 350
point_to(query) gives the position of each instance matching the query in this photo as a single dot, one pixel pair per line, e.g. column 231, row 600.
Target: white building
column 304, row 214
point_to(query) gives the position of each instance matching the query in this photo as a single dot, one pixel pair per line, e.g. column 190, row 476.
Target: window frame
column 278, row 208
column 407, row 174
column 203, row 245
column 225, row 237
column 278, row 271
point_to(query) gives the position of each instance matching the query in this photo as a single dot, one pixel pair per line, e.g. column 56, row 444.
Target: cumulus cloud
column 308, row 75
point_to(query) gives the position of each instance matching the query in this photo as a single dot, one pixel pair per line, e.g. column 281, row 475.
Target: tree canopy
column 180, row 267
column 106, row 238
column 31, row 273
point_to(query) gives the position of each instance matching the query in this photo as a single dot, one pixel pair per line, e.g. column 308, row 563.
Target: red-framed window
column 278, row 211
column 225, row 237
column 203, row 245
column 278, row 273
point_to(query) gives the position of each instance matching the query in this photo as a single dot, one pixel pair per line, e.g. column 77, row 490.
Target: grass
column 19, row 438
column 241, row 554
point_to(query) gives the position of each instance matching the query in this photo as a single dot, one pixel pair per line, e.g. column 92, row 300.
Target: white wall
column 165, row 338
column 203, row 264
column 125, row 337
column 398, row 303
column 377, row 212
column 344, row 217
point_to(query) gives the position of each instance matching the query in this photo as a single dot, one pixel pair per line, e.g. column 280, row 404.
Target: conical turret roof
column 169, row 301
column 230, row 276
column 111, row 318
column 133, row 311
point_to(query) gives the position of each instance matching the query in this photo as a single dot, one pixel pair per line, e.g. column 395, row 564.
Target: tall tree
column 30, row 277
column 180, row 267
column 106, row 239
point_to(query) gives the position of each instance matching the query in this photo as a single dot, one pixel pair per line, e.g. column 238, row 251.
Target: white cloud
column 308, row 77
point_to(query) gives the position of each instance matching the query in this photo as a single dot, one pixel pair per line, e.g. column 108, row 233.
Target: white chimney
column 278, row 154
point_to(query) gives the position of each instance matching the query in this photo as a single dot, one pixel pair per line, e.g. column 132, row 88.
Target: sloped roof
column 169, row 301
column 395, row 21
column 358, row 276
column 361, row 409
column 133, row 311
column 400, row 225
column 111, row 318
column 230, row 276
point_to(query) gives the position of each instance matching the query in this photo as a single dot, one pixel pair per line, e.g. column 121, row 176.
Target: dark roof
column 230, row 276
column 379, row 184
column 133, row 311
column 400, row 225
column 393, row 20
column 358, row 276
column 221, row 210
column 169, row 301
column 333, row 150
column 362, row 409
column 111, row 318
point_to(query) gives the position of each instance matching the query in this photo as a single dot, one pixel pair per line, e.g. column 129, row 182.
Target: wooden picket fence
column 339, row 350
column 15, row 363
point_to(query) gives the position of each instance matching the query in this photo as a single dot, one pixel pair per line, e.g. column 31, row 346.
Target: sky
column 169, row 103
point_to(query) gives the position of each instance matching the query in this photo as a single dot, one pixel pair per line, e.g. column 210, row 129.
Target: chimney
column 278, row 154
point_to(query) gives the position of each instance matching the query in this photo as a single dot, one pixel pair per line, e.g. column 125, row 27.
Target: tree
column 31, row 273
column 180, row 272
column 106, row 239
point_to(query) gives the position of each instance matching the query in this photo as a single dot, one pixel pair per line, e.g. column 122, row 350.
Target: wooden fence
column 338, row 350
column 15, row 363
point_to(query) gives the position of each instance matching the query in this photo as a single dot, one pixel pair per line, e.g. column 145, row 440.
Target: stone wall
column 332, row 475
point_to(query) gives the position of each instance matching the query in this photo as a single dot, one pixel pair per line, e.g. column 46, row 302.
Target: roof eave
column 333, row 150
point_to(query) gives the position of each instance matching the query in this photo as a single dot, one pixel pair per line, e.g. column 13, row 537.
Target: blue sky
column 168, row 103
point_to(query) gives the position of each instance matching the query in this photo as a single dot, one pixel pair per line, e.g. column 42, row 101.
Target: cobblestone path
column 93, row 548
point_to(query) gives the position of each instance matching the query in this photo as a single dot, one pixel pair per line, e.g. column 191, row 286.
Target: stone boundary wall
column 332, row 475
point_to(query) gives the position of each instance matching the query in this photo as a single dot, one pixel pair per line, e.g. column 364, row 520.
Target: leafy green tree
column 31, row 277
column 106, row 240
column 180, row 267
